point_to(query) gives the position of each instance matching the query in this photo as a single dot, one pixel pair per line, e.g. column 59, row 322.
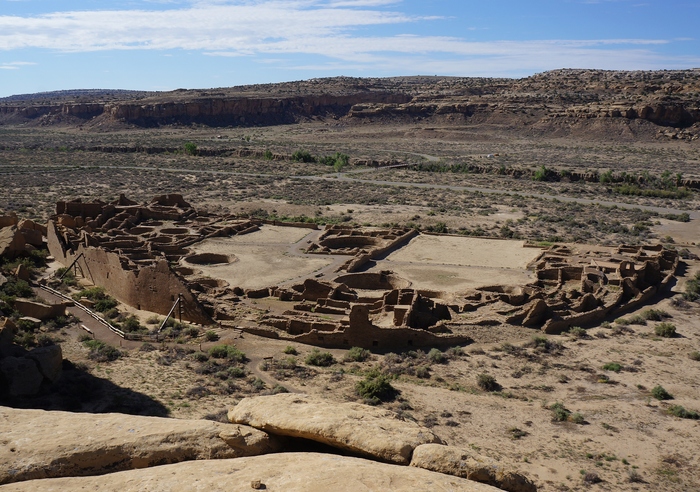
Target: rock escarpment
column 356, row 428
column 288, row 472
column 39, row 444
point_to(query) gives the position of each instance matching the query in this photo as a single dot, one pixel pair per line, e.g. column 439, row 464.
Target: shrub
column 279, row 389
column 191, row 332
column 131, row 325
column 375, row 388
column 694, row 356
column 45, row 340
column 612, row 366
column 541, row 174
column 577, row 332
column 25, row 339
column 153, row 320
column 681, row 412
column 423, row 372
column 318, row 358
column 227, row 352
column 692, row 288
column 102, row 352
column 577, row 418
column 660, row 393
column 147, row 347
column 436, row 356
column 487, row 382
column 560, row 413
column 358, row 354
column 211, row 336
column 290, row 350
column 268, row 155
column 654, row 314
column 303, row 156
column 237, row 372
column 258, row 384
column 666, row 330
column 200, row 357
column 190, row 148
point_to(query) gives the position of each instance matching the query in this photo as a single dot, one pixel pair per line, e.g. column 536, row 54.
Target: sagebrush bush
column 227, row 352
column 660, row 393
column 375, row 388
column 358, row 354
column 318, row 358
column 487, row 382
column 666, row 330
column 436, row 356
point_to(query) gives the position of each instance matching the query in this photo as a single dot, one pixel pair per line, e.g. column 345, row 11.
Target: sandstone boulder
column 30, row 224
column 288, row 472
column 11, row 242
column 461, row 463
column 41, row 444
column 360, row 429
column 38, row 310
column 21, row 375
column 22, row 273
column 49, row 361
column 32, row 237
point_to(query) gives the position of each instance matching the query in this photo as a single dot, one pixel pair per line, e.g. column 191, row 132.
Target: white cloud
column 14, row 65
column 329, row 28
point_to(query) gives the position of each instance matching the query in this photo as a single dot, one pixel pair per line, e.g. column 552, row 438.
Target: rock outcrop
column 40, row 444
column 461, row 463
column 288, row 472
column 359, row 429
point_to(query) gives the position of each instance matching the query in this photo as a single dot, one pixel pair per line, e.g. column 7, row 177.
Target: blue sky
column 168, row 44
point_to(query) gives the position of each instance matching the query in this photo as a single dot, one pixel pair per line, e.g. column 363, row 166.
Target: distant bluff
column 662, row 98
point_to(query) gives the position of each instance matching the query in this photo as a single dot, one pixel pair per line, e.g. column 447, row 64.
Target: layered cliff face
column 664, row 98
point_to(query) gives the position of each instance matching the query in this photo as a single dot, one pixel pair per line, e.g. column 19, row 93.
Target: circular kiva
column 210, row 259
column 373, row 281
column 175, row 230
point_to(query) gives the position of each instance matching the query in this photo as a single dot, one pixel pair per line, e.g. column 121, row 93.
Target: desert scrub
column 375, row 388
column 423, row 372
column 211, row 336
column 679, row 411
column 666, row 330
column 612, row 366
column 227, row 352
column 289, row 350
column 692, row 288
column 577, row 332
column 318, row 358
column 561, row 414
column 660, row 393
column 436, row 356
column 358, row 354
column 694, row 356
column 487, row 382
column 103, row 302
column 101, row 352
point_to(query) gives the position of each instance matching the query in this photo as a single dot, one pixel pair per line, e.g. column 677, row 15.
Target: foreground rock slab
column 283, row 472
column 360, row 429
column 460, row 463
column 41, row 444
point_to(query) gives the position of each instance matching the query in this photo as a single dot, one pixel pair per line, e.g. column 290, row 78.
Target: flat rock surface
column 42, row 444
column 283, row 472
column 461, row 463
column 357, row 428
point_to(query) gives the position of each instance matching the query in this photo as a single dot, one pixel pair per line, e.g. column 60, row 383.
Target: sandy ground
column 465, row 251
column 455, row 278
column 262, row 258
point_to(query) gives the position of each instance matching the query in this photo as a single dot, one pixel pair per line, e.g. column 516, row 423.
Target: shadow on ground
column 79, row 391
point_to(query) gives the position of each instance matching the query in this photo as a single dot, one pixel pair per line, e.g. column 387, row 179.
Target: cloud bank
column 333, row 29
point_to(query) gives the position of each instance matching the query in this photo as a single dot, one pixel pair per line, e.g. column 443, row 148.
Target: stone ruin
column 131, row 249
column 134, row 251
